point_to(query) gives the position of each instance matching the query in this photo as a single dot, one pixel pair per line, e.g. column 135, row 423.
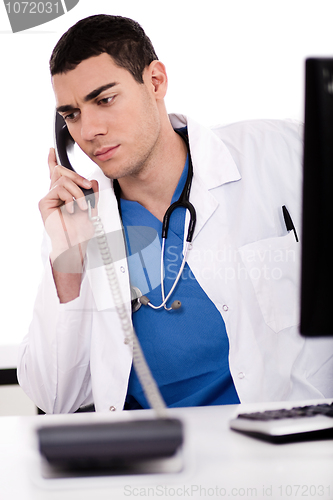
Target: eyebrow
column 89, row 97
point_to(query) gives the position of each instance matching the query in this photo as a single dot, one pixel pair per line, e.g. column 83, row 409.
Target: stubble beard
column 141, row 162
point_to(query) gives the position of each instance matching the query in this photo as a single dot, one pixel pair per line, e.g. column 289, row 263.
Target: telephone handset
column 64, row 143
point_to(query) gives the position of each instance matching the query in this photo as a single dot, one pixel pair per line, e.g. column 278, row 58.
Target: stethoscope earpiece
column 143, row 300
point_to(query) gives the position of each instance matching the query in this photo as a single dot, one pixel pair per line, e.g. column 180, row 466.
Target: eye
column 106, row 100
column 71, row 117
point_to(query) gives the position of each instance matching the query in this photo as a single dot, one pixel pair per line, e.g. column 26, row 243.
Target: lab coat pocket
column 273, row 266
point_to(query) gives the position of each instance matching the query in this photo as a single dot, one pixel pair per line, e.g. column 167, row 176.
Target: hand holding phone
column 65, row 212
column 65, row 215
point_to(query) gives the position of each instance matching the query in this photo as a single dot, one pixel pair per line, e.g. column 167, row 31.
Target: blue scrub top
column 186, row 349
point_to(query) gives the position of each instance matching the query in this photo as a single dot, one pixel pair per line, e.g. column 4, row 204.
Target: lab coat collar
column 211, row 159
column 213, row 166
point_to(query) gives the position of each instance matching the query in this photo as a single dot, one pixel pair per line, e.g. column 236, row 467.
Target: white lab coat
column 242, row 256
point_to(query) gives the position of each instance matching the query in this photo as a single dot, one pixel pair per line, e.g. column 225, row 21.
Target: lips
column 106, row 153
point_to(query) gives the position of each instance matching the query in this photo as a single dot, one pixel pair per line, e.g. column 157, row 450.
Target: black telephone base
column 111, row 444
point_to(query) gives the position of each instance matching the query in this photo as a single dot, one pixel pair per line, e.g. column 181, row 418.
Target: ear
column 156, row 77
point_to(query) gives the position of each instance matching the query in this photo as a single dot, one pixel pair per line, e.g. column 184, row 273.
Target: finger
column 90, row 197
column 62, row 193
column 56, row 171
column 68, row 200
column 52, row 161
column 56, row 198
column 74, row 191
column 59, row 171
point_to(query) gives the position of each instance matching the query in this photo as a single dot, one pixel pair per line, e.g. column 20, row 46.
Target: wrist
column 68, row 260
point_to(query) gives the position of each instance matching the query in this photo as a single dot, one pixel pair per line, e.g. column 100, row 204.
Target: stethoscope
column 183, row 201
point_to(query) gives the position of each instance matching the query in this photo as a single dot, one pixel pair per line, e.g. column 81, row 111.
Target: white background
column 227, row 60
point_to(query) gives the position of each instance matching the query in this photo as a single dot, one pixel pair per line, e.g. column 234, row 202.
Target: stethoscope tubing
column 183, row 201
column 165, row 299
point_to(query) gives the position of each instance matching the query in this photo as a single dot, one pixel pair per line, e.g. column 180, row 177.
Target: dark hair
column 122, row 38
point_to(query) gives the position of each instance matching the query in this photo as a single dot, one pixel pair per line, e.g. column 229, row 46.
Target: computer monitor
column 317, row 234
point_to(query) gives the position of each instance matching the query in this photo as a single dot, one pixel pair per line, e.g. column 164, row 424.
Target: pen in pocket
column 288, row 221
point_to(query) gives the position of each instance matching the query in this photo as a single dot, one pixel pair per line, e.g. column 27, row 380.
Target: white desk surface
column 217, row 463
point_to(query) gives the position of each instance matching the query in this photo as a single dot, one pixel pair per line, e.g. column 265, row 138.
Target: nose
column 92, row 124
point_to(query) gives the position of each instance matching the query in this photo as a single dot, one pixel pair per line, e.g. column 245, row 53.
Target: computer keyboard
column 286, row 425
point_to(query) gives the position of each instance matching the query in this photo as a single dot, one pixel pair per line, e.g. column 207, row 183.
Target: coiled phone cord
column 142, row 369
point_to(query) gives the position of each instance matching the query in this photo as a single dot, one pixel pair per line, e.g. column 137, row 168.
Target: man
column 235, row 336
